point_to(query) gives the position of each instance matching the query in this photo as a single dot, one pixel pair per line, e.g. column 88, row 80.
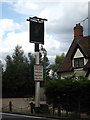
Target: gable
column 78, row 54
column 66, row 66
column 77, row 49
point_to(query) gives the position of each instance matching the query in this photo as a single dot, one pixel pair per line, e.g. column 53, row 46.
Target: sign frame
column 38, row 73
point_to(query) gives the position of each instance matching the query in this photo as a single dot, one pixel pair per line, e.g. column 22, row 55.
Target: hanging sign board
column 37, row 32
column 38, row 73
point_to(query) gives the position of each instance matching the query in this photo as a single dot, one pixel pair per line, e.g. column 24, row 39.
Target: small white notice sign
column 38, row 73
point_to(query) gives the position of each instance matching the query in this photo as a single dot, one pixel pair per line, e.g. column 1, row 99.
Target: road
column 8, row 116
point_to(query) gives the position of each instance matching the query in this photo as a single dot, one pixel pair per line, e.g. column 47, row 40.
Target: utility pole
column 37, row 37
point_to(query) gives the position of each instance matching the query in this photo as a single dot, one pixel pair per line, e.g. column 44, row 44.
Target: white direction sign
column 38, row 73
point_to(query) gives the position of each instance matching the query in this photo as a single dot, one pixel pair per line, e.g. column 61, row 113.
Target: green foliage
column 59, row 59
column 18, row 75
column 17, row 78
column 70, row 93
column 45, row 62
column 58, row 62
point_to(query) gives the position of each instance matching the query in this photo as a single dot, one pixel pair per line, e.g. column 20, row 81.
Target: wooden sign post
column 37, row 37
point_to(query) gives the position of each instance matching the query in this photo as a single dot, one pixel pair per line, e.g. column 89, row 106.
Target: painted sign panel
column 38, row 73
column 37, row 32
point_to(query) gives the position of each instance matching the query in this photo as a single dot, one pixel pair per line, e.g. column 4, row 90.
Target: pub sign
column 37, row 32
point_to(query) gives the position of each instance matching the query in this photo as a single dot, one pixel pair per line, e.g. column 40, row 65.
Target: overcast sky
column 62, row 16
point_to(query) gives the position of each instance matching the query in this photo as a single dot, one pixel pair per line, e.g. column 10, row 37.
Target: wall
column 89, row 77
column 66, row 74
column 18, row 104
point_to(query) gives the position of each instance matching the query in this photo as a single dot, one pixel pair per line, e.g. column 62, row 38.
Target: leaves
column 58, row 62
column 70, row 93
column 18, row 76
column 45, row 62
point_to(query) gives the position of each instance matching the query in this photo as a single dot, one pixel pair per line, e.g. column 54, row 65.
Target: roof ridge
column 82, row 49
column 87, row 36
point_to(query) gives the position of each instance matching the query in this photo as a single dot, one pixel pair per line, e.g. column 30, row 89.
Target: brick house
column 77, row 59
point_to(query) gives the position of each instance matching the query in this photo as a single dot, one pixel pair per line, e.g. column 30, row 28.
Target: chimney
column 78, row 32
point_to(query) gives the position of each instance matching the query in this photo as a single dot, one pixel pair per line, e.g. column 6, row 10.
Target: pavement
column 8, row 116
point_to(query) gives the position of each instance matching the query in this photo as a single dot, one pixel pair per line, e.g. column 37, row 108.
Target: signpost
column 37, row 37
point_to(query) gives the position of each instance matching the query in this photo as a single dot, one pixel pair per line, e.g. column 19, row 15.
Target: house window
column 78, row 62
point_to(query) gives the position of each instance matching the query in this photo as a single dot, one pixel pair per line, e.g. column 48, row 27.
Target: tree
column 31, row 82
column 17, row 78
column 58, row 62
column 1, row 67
column 45, row 62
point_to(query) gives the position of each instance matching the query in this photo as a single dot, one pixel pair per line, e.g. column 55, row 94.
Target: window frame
column 78, row 62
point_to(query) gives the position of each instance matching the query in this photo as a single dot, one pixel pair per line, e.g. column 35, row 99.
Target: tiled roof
column 83, row 44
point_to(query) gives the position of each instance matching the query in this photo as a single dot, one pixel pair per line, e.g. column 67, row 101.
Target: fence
column 21, row 105
column 29, row 108
column 12, row 108
column 16, row 105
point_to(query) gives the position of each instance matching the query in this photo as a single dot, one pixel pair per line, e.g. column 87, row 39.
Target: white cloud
column 45, row 13
column 22, row 38
column 66, row 16
column 23, row 7
column 8, row 25
column 9, row 38
column 62, row 17
column 45, row 1
column 12, row 39
column 8, row 1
